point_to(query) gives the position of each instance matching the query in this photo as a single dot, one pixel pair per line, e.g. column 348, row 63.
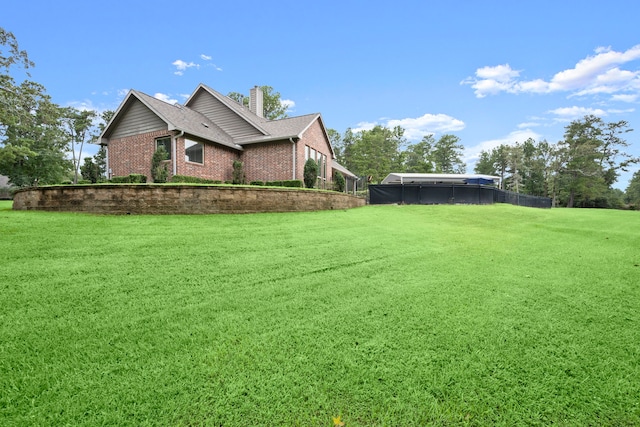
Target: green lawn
column 382, row 315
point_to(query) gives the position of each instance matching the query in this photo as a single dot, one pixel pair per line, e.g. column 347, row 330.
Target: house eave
column 207, row 139
column 269, row 138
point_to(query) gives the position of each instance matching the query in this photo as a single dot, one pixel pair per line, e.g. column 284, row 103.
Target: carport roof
column 435, row 178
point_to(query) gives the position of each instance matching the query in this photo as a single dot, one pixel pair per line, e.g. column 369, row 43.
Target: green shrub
column 159, row 169
column 260, row 183
column 193, row 180
column 90, row 171
column 134, row 178
column 238, row 172
column 338, row 181
column 137, row 178
column 310, row 173
column 295, row 183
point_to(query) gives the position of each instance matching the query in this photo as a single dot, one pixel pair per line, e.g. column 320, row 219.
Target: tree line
column 578, row 171
column 42, row 143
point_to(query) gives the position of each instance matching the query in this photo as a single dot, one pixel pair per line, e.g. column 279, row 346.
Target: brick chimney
column 256, row 101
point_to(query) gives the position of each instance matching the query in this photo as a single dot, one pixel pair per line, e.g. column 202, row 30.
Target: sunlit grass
column 383, row 315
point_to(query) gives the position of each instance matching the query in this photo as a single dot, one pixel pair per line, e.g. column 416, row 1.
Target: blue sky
column 487, row 71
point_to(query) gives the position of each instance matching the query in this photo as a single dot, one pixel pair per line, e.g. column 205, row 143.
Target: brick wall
column 270, row 161
column 314, row 137
column 218, row 162
column 178, row 199
column 132, row 154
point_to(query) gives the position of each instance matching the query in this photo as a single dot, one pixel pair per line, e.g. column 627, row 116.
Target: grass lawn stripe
column 385, row 315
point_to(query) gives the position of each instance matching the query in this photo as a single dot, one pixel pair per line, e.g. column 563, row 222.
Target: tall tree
column 418, row 156
column 485, row 164
column 32, row 146
column 345, row 158
column 500, row 157
column 446, row 155
column 335, row 139
column 101, row 156
column 515, row 156
column 377, row 152
column 272, row 104
column 613, row 157
column 592, row 158
column 78, row 124
column 632, row 194
column 533, row 168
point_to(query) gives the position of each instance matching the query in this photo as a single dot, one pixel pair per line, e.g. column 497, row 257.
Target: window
column 323, row 167
column 166, row 144
column 193, row 151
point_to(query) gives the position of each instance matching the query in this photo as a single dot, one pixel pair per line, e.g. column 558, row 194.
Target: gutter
column 293, row 153
column 174, row 155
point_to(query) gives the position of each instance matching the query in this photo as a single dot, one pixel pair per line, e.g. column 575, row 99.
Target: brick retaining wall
column 178, row 199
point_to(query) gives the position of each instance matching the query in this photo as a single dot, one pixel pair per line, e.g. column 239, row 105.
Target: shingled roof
column 271, row 130
column 193, row 122
column 176, row 117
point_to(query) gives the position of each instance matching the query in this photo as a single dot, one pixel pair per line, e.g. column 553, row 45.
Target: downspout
column 293, row 153
column 174, row 155
column 108, row 171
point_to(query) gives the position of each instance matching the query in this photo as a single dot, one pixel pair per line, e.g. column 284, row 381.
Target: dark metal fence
column 438, row 194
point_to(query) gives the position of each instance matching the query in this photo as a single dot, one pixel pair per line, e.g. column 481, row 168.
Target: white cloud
column 471, row 154
column 85, row 105
column 205, row 57
column 574, row 113
column 288, row 104
column 364, row 126
column 165, row 98
column 416, row 128
column 528, row 125
column 182, row 66
column 499, row 73
column 625, row 97
column 596, row 74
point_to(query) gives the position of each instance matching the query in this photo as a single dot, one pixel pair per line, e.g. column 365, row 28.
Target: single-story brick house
column 209, row 132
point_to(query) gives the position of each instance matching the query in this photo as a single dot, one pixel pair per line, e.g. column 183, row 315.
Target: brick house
column 209, row 132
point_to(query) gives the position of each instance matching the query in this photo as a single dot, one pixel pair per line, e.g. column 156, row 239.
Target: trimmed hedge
column 193, row 180
column 296, row 183
column 256, row 183
column 134, row 178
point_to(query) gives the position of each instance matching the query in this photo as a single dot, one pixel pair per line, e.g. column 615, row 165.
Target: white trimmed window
column 166, row 144
column 193, row 151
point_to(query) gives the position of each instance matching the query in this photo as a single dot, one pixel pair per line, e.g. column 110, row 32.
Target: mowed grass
column 382, row 316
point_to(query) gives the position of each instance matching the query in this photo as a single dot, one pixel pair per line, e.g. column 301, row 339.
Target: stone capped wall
column 178, row 199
